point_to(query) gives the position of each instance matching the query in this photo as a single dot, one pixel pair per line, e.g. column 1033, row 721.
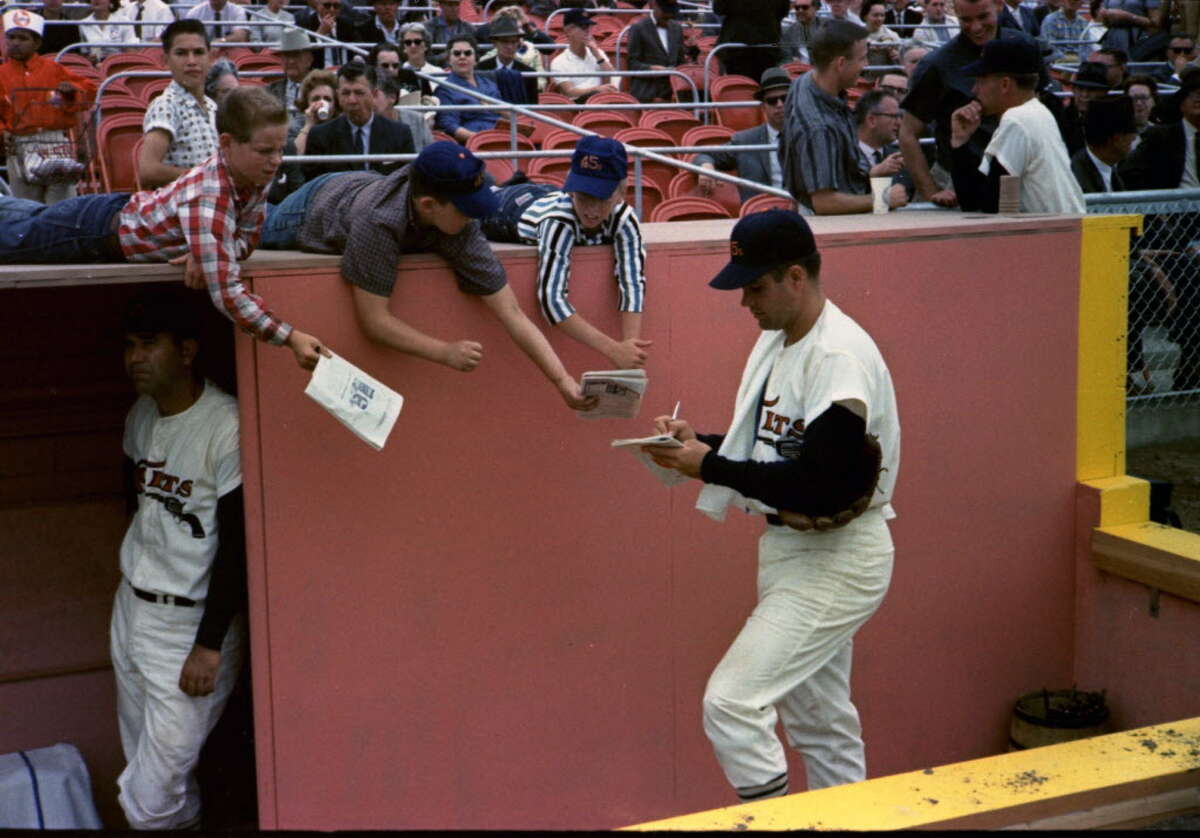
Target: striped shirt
column 550, row 223
column 820, row 147
column 203, row 214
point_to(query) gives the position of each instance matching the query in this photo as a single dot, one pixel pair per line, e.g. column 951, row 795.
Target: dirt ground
column 1178, row 462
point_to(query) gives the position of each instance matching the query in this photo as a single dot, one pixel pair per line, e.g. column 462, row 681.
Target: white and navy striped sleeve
column 556, row 239
column 629, row 256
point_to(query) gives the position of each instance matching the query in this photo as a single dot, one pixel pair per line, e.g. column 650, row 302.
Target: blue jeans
column 77, row 230
column 281, row 230
column 514, row 200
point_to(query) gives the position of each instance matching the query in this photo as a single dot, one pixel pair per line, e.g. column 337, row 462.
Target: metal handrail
column 604, row 73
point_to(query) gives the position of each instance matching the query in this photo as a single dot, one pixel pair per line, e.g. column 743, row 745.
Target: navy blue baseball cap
column 578, row 17
column 455, row 172
column 597, row 166
column 1011, row 56
column 761, row 241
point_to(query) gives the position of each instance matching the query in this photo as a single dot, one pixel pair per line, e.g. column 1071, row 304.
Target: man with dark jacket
column 750, row 22
column 334, row 18
column 758, row 166
column 358, row 130
column 656, row 43
column 506, row 68
column 1110, row 131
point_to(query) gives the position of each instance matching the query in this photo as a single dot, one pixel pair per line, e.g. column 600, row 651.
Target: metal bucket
column 1050, row 717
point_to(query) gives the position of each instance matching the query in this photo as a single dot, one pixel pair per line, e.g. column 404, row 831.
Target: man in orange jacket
column 39, row 103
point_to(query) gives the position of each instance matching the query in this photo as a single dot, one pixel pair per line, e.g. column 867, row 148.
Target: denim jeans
column 77, row 230
column 514, row 200
column 281, row 230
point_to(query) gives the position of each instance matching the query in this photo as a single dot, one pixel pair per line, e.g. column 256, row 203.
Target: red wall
column 500, row 622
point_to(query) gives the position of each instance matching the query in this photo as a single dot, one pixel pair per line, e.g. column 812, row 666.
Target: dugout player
column 814, row 386
column 177, row 635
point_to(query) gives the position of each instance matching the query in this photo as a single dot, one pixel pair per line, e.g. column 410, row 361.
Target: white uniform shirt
column 192, row 126
column 155, row 11
column 230, row 15
column 1027, row 143
column 184, row 464
column 568, row 62
column 837, row 362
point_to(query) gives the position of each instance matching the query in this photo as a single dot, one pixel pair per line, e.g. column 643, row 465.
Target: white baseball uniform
column 792, row 658
column 184, row 464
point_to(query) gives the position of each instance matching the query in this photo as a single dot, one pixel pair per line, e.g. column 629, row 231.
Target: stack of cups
column 1010, row 195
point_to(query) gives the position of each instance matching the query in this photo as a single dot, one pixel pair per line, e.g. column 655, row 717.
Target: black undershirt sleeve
column 227, row 582
column 976, row 191
column 713, row 441
column 822, row 480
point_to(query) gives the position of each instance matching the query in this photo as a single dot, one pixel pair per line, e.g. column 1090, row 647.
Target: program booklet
column 619, row 392
column 367, row 407
column 667, row 476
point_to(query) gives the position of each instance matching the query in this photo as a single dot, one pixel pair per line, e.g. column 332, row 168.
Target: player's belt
column 163, row 599
column 774, row 520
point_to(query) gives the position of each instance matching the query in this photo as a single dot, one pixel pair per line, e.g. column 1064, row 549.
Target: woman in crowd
column 461, row 125
column 317, row 104
column 414, row 40
column 275, row 11
column 222, row 77
column 96, row 30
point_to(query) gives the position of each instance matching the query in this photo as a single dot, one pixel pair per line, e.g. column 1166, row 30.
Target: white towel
column 739, row 441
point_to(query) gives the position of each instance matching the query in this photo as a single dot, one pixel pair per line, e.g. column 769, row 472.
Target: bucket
column 1050, row 717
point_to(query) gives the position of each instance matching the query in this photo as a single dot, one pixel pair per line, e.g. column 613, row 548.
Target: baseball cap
column 24, row 19
column 597, row 166
column 1091, row 75
column 577, row 17
column 759, row 242
column 1011, row 56
column 455, row 172
column 668, row 6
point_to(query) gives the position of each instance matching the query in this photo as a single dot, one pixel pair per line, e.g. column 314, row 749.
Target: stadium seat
column 120, row 85
column 259, row 61
column 438, row 136
column 708, row 135
column 604, row 123
column 725, row 193
column 675, row 123
column 80, row 65
column 137, row 149
column 549, row 169
column 499, row 168
column 524, row 125
column 735, row 89
column 610, row 98
column 493, row 140
column 122, row 61
column 644, row 137
column 797, row 68
column 652, row 196
column 655, row 170
column 146, row 89
column 116, row 138
column 560, row 138
column 688, row 208
column 765, row 202
column 680, row 89
column 112, row 104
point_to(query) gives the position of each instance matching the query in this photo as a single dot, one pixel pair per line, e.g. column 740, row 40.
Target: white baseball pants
column 791, row 660
column 163, row 728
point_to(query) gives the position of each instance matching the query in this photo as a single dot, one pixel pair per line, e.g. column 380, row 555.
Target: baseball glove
column 859, row 485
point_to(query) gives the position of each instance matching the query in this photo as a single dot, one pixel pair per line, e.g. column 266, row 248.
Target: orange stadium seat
column 112, row 104
column 655, row 170
column 116, row 138
column 123, row 61
column 549, row 169
column 680, row 89
column 499, row 168
column 438, row 136
column 492, row 140
column 675, row 123
column 137, row 149
column 708, row 135
column 259, row 61
column 524, row 125
column 145, row 89
column 611, row 98
column 736, row 89
column 797, row 68
column 688, row 208
column 726, row 194
column 644, row 137
column 605, row 123
column 765, row 202
column 560, row 138
column 652, row 196
column 80, row 65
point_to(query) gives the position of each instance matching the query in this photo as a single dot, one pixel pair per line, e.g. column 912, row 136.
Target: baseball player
column 589, row 209
column 801, row 450
column 177, row 634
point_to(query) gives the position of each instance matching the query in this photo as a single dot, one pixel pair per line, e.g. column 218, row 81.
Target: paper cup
column 879, row 190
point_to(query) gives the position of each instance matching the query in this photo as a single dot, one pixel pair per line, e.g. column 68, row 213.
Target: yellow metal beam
column 1014, row 789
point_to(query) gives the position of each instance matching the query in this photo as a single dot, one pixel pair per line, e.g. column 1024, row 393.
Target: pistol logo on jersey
column 788, row 433
column 174, row 487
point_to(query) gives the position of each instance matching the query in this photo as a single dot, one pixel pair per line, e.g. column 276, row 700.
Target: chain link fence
column 1163, row 350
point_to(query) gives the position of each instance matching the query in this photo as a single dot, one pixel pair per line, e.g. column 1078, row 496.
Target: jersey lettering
column 774, row 422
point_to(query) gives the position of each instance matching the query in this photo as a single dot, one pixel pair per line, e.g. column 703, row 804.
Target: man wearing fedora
column 506, row 37
column 759, row 166
column 1110, row 131
column 656, row 43
column 1026, row 143
column 295, row 52
column 1089, row 84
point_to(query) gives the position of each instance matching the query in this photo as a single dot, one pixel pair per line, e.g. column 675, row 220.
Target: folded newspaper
column 668, row 476
column 619, row 393
column 367, row 407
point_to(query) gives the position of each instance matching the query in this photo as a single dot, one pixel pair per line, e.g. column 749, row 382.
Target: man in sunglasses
column 797, row 35
column 332, row 18
column 759, row 166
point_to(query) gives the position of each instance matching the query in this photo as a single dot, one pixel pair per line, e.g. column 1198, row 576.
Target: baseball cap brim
column 478, row 204
column 597, row 187
column 734, row 276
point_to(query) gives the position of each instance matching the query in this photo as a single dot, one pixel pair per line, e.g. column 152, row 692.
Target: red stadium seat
column 524, row 125
column 736, row 89
column 137, row 175
column 122, row 61
column 80, row 65
column 797, row 68
column 765, row 202
column 708, row 135
column 655, row 170
column 560, row 138
column 112, row 104
column 680, row 89
column 549, row 169
column 725, row 193
column 146, row 89
column 612, row 98
column 688, row 208
column 438, row 137
column 499, row 168
column 259, row 62
column 604, row 123
column 493, row 140
column 675, row 123
column 116, row 139
column 652, row 196
column 644, row 137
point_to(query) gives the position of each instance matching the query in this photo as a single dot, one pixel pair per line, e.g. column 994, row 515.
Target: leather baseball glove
column 860, row 485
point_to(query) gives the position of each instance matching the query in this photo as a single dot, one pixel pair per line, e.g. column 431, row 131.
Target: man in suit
column 1110, row 130
column 750, row 22
column 358, row 130
column 334, row 18
column 1021, row 17
column 506, row 67
column 878, row 116
column 656, row 43
column 382, row 26
column 295, row 52
column 758, row 166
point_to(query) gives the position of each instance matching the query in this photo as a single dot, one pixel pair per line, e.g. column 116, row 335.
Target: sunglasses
column 1181, row 50
column 462, row 53
column 774, row 100
column 413, row 42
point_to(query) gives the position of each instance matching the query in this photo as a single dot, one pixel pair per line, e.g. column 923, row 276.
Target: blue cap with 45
column 458, row 174
column 597, row 166
column 761, row 241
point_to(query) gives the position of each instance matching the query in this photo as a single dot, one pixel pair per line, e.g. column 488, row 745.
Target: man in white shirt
column 222, row 18
column 938, row 27
column 840, row 10
column 1026, row 144
column 582, row 55
column 149, row 11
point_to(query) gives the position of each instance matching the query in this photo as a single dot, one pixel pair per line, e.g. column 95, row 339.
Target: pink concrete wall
column 500, row 622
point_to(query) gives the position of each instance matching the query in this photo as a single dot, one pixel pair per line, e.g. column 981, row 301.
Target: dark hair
column 835, row 39
column 383, row 46
column 352, row 71
column 810, row 263
column 464, row 39
column 1121, row 56
column 219, row 69
column 169, row 310
column 867, row 4
column 870, row 101
column 187, row 26
column 1145, row 81
column 247, row 109
column 389, row 87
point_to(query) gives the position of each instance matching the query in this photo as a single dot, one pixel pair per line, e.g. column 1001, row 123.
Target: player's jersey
column 183, row 464
column 837, row 362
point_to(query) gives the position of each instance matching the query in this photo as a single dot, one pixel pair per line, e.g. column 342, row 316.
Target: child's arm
column 380, row 325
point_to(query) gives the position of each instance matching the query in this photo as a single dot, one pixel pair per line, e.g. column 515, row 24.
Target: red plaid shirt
column 203, row 214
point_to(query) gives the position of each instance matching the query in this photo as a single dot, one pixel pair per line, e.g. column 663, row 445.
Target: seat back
column 708, row 135
column 560, row 138
column 652, row 196
column 551, row 170
column 112, row 104
column 122, row 61
column 644, row 137
column 762, row 202
column 116, row 139
column 493, row 140
column 675, row 123
column 685, row 184
column 145, row 89
column 688, row 208
column 604, row 123
column 735, row 89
